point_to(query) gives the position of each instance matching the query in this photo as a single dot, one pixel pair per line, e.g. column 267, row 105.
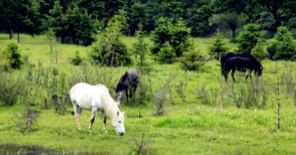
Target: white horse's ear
column 123, row 113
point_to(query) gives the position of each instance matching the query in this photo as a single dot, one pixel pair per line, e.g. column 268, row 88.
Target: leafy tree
column 20, row 16
column 249, row 38
column 218, row 48
column 176, row 35
column 266, row 22
column 199, row 22
column 12, row 55
column 280, row 9
column 259, row 51
column 192, row 60
column 233, row 21
column 250, row 8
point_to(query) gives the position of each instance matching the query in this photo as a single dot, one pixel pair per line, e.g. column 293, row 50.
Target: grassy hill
column 203, row 110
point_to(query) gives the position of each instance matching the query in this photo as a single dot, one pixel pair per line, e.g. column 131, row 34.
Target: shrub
column 248, row 39
column 192, row 60
column 177, row 35
column 284, row 47
column 12, row 56
column 103, row 54
column 218, row 48
column 77, row 60
column 166, row 54
column 10, row 89
column 141, row 50
column 259, row 52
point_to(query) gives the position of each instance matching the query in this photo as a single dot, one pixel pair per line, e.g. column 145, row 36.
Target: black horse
column 228, row 55
column 128, row 82
column 242, row 64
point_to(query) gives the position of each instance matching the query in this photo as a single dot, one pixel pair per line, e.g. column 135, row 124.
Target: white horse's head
column 117, row 123
column 119, row 95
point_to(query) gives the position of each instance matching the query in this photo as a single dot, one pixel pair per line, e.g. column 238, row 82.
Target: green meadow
column 202, row 112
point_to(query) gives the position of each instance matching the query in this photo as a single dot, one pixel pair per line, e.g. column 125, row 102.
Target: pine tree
column 141, row 50
column 218, row 48
column 177, row 35
column 166, row 54
column 248, row 39
column 192, row 60
column 259, row 51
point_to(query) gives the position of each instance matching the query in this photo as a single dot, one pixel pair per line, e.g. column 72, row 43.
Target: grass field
column 208, row 104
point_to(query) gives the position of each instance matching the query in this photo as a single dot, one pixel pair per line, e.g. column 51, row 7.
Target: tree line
column 75, row 21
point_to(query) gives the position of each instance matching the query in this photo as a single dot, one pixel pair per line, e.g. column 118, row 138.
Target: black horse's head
column 259, row 71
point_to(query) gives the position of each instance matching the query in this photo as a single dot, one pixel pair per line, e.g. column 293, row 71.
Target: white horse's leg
column 104, row 121
column 77, row 112
column 94, row 110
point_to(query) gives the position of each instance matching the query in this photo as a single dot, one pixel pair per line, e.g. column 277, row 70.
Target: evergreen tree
column 285, row 47
column 20, row 16
column 192, row 60
column 259, row 51
column 176, row 35
column 166, row 54
column 249, row 38
column 218, row 48
column 141, row 50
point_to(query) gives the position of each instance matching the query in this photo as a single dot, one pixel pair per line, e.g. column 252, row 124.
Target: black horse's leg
column 126, row 94
column 225, row 73
column 232, row 74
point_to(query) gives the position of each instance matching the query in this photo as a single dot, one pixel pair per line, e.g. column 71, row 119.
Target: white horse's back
column 87, row 96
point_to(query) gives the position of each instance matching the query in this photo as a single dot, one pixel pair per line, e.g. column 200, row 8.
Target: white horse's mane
column 109, row 105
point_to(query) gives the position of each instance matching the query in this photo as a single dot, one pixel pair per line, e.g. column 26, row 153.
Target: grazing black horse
column 128, row 82
column 228, row 55
column 242, row 64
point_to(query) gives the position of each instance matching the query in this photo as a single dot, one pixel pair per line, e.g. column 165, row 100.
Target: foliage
column 141, row 50
column 177, row 35
column 266, row 22
column 284, row 47
column 110, row 50
column 218, row 48
column 101, row 53
column 233, row 21
column 192, row 60
column 248, row 39
column 77, row 60
column 50, row 36
column 259, row 51
column 12, row 55
column 282, row 32
column 10, row 89
column 166, row 54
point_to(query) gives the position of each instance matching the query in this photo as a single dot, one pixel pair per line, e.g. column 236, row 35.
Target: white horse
column 96, row 98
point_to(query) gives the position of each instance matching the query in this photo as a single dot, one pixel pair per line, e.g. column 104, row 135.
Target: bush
column 267, row 34
column 192, row 60
column 166, row 54
column 218, row 48
column 77, row 60
column 177, row 35
column 272, row 49
column 259, row 52
column 103, row 54
column 284, row 47
column 12, row 56
column 248, row 39
column 10, row 89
